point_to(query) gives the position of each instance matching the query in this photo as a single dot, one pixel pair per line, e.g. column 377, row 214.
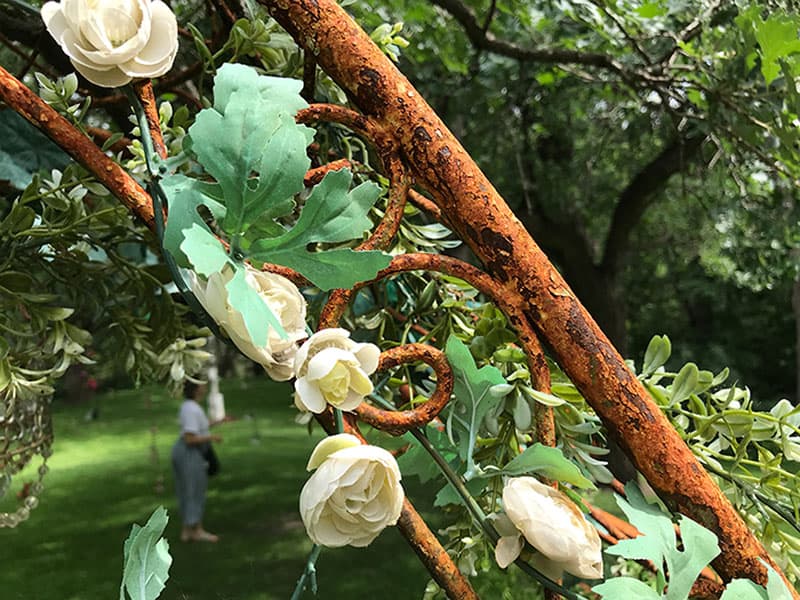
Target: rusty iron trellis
column 482, row 218
column 407, row 133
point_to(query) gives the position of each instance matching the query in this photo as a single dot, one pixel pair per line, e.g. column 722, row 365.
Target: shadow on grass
column 103, row 477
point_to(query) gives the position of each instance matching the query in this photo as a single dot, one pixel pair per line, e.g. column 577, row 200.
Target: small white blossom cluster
column 355, row 492
column 329, row 367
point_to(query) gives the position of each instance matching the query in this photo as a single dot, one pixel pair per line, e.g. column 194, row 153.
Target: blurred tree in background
column 650, row 147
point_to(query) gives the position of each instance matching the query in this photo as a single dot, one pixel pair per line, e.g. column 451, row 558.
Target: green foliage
column 547, row 462
column 476, row 393
column 252, row 146
column 249, row 142
column 777, row 41
column 25, row 151
column 147, row 559
column 331, row 214
column 752, row 452
column 658, row 544
column 677, row 567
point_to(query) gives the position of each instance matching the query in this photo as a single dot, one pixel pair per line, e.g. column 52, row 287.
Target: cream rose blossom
column 111, row 42
column 284, row 300
column 354, row 494
column 333, row 369
column 552, row 524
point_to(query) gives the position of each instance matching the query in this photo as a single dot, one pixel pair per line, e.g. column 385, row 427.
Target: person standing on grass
column 189, row 463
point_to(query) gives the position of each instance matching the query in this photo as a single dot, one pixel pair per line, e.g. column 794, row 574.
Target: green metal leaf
column 250, row 143
column 258, row 317
column 185, row 197
column 658, row 544
column 548, row 462
column 626, row 587
column 472, row 402
column 333, row 213
column 205, row 252
column 147, row 559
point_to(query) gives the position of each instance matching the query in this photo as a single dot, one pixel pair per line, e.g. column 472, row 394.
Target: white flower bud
column 284, row 300
column 552, row 524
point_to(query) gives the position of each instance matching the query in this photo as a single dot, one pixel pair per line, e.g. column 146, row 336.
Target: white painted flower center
column 120, row 19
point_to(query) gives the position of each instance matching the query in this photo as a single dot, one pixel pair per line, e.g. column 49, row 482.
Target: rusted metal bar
column 14, row 93
column 399, row 422
column 144, row 91
column 485, row 222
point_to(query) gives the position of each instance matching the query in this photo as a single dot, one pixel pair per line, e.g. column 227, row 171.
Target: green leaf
column 333, row 213
column 548, row 462
column 685, row 383
column 258, row 317
column 147, row 559
column 777, row 39
column 626, row 587
column 449, row 495
column 699, row 549
column 250, row 143
column 185, row 197
column 649, row 10
column 417, row 461
column 4, row 348
column 472, row 400
column 744, row 589
column 657, row 353
column 658, row 543
column 205, row 252
column 25, row 151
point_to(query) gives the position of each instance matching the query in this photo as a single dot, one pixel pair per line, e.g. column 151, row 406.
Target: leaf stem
column 339, row 418
column 159, row 202
column 309, row 575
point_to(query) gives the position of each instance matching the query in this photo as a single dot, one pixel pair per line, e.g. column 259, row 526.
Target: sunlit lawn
column 104, row 476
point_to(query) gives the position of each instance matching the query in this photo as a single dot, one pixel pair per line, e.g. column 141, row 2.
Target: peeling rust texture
column 478, row 213
column 14, row 93
column 144, row 91
column 433, row 555
column 399, row 422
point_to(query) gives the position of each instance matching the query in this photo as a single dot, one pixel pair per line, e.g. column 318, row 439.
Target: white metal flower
column 111, row 42
column 552, row 524
column 354, row 494
column 333, row 369
column 789, row 438
column 284, row 300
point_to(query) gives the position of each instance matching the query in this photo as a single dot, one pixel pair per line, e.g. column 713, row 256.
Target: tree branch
column 485, row 40
column 640, row 193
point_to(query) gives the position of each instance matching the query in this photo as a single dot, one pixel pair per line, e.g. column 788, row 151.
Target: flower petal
column 330, row 445
column 507, row 550
column 325, row 360
column 310, row 396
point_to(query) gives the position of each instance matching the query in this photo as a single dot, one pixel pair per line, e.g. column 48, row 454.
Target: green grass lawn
column 104, row 475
